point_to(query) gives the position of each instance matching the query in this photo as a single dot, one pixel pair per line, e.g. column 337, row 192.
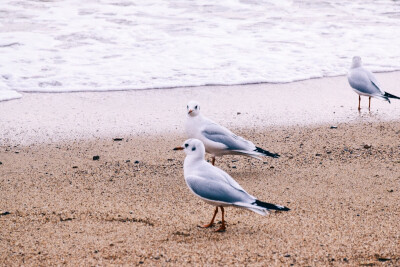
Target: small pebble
column 127, row 161
column 74, row 167
column 367, row 146
column 118, row 139
column 5, row 213
column 137, row 162
column 96, row 157
column 333, row 127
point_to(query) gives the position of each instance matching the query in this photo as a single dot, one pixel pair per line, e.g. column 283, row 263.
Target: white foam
column 63, row 46
column 6, row 93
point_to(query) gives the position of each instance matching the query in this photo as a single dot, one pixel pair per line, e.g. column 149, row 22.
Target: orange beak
column 190, row 111
column 179, row 148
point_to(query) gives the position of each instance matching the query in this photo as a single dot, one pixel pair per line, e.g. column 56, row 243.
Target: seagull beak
column 190, row 111
column 179, row 148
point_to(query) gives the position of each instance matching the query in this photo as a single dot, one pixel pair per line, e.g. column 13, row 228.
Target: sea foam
column 96, row 45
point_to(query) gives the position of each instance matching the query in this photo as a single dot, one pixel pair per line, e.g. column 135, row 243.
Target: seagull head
column 193, row 108
column 193, row 147
column 356, row 62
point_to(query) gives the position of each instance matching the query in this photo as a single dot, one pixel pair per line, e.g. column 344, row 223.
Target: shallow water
column 62, row 46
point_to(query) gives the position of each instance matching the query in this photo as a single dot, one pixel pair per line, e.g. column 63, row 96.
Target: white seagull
column 364, row 83
column 217, row 139
column 215, row 186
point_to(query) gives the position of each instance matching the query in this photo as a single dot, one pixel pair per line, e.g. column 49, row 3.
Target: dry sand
column 66, row 208
column 59, row 206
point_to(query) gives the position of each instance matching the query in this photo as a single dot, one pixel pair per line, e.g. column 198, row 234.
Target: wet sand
column 131, row 206
column 80, row 116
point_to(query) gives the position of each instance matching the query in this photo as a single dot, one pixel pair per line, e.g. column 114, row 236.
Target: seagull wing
column 220, row 134
column 374, row 81
column 364, row 81
column 217, row 190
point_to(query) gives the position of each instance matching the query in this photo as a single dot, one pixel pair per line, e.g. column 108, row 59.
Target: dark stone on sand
column 128, row 160
column 74, row 167
column 233, row 167
column 96, row 157
column 367, row 146
column 287, row 256
column 333, row 127
column 118, row 139
column 5, row 213
column 137, row 162
column 1, row 162
column 318, row 155
column 390, row 191
column 384, row 259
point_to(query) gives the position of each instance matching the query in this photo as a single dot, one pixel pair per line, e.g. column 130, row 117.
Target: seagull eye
column 186, row 145
column 193, row 148
column 195, row 107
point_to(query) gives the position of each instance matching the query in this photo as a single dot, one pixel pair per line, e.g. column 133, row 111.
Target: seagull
column 215, row 186
column 217, row 139
column 364, row 83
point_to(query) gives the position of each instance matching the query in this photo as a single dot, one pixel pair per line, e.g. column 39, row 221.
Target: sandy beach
column 131, row 206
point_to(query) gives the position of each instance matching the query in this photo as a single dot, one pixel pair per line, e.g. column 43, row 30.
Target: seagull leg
column 213, row 160
column 359, row 102
column 222, row 228
column 212, row 220
column 369, row 105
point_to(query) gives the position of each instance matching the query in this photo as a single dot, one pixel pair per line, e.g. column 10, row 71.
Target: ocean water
column 101, row 45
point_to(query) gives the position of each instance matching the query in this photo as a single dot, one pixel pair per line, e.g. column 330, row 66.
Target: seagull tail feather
column 266, row 153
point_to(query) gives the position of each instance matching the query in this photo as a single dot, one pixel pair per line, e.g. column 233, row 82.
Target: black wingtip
column 270, row 206
column 267, row 153
column 391, row 96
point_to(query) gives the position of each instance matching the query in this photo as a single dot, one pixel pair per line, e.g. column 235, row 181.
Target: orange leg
column 359, row 102
column 212, row 220
column 222, row 228
column 369, row 105
column 213, row 160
